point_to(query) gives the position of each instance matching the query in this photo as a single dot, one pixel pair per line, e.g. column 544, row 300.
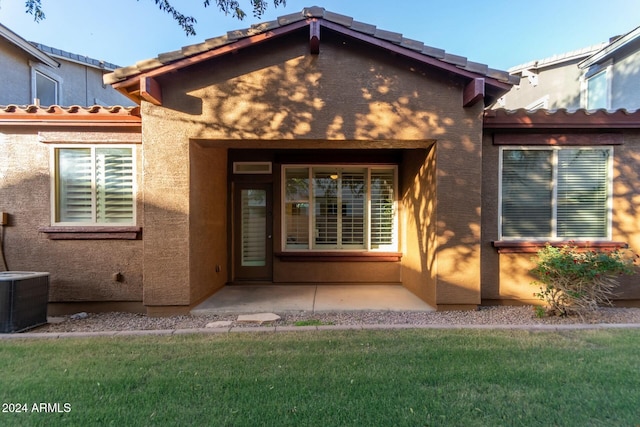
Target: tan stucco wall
column 278, row 95
column 337, row 272
column 419, row 223
column 208, row 221
column 626, row 200
column 80, row 270
column 458, row 192
column 166, row 197
column 505, row 276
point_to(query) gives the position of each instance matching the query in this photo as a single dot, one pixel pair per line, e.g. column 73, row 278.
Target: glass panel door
column 253, row 225
column 252, row 232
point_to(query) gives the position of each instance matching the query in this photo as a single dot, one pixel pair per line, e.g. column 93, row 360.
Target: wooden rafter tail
column 150, row 90
column 473, row 92
column 314, row 37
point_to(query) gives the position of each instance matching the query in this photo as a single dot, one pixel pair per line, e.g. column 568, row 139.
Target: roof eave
column 130, row 86
column 28, row 47
column 609, row 50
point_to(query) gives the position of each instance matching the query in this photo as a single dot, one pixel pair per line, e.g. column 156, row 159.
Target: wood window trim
column 564, row 139
column 527, row 247
column 91, row 233
column 344, row 256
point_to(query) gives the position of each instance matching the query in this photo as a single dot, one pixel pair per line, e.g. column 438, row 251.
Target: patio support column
column 458, row 213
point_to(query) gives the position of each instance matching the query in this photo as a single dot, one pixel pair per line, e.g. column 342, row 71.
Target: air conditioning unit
column 24, row 296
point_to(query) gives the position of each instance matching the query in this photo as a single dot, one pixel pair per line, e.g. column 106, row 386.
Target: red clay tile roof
column 561, row 119
column 25, row 115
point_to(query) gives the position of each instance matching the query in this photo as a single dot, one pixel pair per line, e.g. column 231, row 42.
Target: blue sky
column 499, row 33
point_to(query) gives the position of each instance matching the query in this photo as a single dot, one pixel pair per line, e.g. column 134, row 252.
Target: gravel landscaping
column 494, row 315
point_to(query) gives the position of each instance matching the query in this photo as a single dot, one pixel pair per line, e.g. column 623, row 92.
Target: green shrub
column 577, row 281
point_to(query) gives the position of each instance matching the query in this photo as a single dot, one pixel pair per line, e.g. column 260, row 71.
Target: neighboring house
column 599, row 77
column 310, row 149
column 36, row 74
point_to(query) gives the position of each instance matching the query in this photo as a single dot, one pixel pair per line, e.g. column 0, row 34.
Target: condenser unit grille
column 23, row 300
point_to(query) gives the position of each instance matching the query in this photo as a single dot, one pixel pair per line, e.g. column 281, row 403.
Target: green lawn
column 332, row 378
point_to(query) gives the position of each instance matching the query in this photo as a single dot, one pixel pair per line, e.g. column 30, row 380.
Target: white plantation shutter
column 325, row 201
column 94, row 185
column 583, row 177
column 352, row 208
column 253, row 223
column 114, row 185
column 340, row 208
column 555, row 193
column 75, row 195
column 382, row 207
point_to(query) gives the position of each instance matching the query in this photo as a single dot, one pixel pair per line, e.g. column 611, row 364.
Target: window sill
column 91, row 233
column 313, row 256
column 511, row 247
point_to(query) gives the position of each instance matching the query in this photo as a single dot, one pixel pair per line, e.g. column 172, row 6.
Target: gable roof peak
column 315, row 17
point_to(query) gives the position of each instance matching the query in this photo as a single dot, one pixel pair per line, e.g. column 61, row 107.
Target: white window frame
column 594, row 71
column 367, row 234
column 46, row 72
column 554, row 180
column 54, row 185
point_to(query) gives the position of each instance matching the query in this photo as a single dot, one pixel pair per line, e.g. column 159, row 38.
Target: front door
column 252, row 232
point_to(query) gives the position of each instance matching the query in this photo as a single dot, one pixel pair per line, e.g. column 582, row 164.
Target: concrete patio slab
column 338, row 298
column 248, row 299
column 283, row 299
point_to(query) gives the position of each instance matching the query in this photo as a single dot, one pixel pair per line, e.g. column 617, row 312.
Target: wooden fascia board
column 222, row 50
column 559, row 139
column 560, row 122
